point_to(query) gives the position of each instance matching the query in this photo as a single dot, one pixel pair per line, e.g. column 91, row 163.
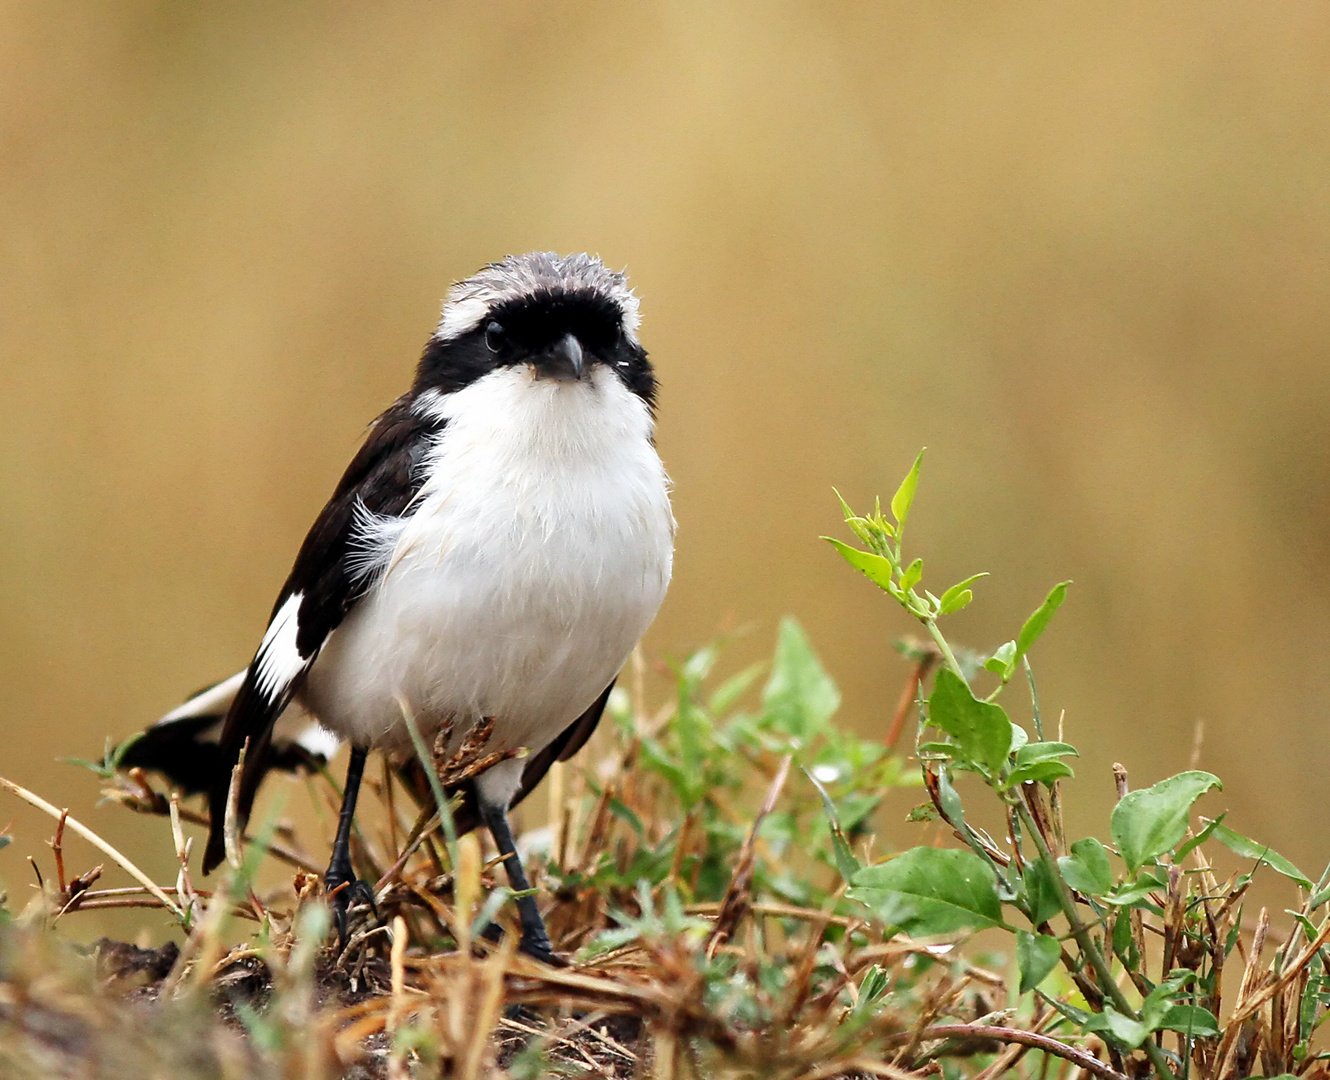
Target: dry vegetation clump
column 712, row 882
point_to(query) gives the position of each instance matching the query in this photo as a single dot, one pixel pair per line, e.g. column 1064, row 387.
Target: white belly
column 538, row 555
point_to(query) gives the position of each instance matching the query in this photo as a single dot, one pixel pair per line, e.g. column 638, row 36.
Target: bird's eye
column 494, row 337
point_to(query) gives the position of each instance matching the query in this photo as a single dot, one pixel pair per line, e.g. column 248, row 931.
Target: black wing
column 330, row 574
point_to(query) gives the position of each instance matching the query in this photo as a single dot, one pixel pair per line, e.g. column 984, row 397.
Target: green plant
column 1084, row 913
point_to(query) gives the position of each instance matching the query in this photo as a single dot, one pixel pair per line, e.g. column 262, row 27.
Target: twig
column 928, row 658
column 1035, row 1041
column 737, row 894
column 96, row 841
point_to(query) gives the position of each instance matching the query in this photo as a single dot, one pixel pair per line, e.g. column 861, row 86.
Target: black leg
column 535, row 938
column 340, row 872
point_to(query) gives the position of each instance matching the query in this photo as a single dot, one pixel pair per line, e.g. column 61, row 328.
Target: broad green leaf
column 1158, row 1001
column 1191, row 1020
column 1039, row 893
column 1002, row 662
column 959, row 595
column 1250, row 849
column 1036, row 956
column 799, row 697
column 1147, row 823
column 956, row 603
column 1133, row 892
column 980, row 729
column 900, row 502
column 1039, row 761
column 1087, row 869
column 1037, row 623
column 877, row 569
column 1122, row 1030
column 1045, row 772
column 931, row 891
column 1044, row 751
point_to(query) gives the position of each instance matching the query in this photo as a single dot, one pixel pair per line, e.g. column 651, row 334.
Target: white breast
column 537, row 556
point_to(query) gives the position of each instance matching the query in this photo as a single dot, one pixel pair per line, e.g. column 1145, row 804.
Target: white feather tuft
column 278, row 660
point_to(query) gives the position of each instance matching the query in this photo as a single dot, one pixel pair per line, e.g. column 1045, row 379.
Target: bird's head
column 559, row 316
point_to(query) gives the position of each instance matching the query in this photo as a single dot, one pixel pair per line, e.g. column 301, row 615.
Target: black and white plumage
column 495, row 550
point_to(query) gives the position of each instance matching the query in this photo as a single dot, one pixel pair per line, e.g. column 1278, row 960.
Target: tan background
column 1079, row 251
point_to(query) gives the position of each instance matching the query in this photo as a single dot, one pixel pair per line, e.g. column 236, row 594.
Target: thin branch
column 1032, row 1039
column 96, row 841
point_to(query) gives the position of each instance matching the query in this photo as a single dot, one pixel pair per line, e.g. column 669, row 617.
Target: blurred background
column 1079, row 252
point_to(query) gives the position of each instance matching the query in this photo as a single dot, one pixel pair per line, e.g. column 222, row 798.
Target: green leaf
column 1044, row 751
column 1132, row 893
column 1191, row 1020
column 1039, row 893
column 911, row 574
column 1036, row 956
column 846, row 863
column 1147, row 823
column 981, row 730
column 931, row 891
column 956, row 603
column 1043, row 771
column 1249, row 849
column 1198, row 839
column 1039, row 761
column 1002, row 661
column 1122, row 1030
column 1087, row 869
column 949, row 799
column 733, row 688
column 877, row 569
column 959, row 595
column 799, row 697
column 625, row 813
column 900, row 502
column 1037, row 623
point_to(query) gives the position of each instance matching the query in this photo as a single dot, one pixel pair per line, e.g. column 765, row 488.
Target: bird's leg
column 535, row 938
column 340, row 876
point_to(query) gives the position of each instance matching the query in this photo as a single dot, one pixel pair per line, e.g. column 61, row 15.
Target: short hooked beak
column 565, row 361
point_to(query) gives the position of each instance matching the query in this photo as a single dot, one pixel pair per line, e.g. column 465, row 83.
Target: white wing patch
column 213, row 701
column 319, row 741
column 279, row 661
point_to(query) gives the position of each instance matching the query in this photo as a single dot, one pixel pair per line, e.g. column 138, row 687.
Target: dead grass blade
column 96, row 841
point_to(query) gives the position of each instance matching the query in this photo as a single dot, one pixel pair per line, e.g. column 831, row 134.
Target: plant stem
column 1089, row 950
column 948, row 657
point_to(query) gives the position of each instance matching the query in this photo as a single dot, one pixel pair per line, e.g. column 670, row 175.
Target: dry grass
column 706, row 938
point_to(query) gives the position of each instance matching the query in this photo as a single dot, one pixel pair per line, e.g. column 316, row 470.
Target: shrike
column 486, row 564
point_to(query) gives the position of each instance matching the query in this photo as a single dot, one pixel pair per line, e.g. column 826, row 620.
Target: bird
column 487, row 563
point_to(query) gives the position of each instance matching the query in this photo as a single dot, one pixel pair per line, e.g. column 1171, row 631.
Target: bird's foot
column 534, row 943
column 345, row 891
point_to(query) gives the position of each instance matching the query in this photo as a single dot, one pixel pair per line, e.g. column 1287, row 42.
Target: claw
column 344, row 893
